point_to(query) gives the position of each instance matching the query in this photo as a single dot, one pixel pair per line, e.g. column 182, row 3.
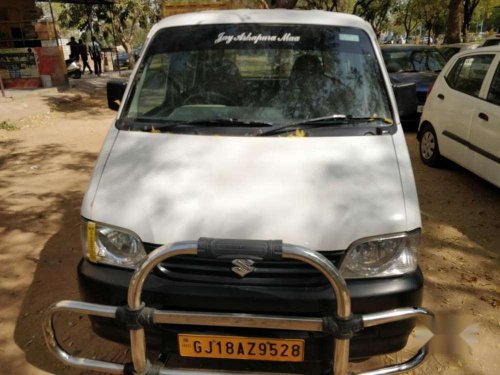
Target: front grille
column 275, row 273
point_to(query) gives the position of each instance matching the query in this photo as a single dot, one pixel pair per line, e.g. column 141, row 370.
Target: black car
column 121, row 60
column 415, row 64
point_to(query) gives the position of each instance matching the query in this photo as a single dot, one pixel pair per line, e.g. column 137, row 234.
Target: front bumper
column 108, row 285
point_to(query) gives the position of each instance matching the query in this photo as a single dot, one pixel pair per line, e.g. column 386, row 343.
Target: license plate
column 420, row 108
column 233, row 347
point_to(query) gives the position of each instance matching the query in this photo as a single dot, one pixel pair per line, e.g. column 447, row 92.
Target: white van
column 256, row 124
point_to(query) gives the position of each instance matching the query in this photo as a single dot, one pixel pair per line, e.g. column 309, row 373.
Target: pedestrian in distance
column 95, row 55
column 74, row 50
column 84, row 55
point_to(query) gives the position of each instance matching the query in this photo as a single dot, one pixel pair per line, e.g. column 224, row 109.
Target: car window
column 152, row 83
column 494, row 93
column 491, row 42
column 275, row 74
column 451, row 77
column 411, row 60
column 468, row 73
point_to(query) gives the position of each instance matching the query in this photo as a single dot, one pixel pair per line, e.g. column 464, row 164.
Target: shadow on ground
column 55, row 279
column 86, row 95
column 42, row 190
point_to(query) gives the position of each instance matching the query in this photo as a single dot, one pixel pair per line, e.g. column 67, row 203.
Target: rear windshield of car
column 492, row 42
column 275, row 74
column 413, row 60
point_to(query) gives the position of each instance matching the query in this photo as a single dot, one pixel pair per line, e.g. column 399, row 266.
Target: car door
column 457, row 101
column 485, row 128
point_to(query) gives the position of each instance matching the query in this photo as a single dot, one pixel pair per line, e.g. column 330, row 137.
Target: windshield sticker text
column 255, row 38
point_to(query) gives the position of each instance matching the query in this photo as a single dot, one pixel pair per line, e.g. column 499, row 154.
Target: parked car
column 413, row 64
column 255, row 124
column 461, row 119
column 493, row 40
column 427, row 40
column 121, row 60
column 137, row 52
column 448, row 50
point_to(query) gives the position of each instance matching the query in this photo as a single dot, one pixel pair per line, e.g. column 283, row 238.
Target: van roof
column 273, row 16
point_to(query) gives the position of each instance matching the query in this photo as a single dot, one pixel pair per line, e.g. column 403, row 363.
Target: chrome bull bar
column 342, row 326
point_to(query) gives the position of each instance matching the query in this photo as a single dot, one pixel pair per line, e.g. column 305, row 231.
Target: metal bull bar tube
column 136, row 315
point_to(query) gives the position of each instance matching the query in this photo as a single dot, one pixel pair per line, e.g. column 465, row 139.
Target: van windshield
column 256, row 75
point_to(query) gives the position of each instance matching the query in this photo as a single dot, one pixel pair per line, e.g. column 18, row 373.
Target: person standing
column 95, row 54
column 73, row 49
column 84, row 55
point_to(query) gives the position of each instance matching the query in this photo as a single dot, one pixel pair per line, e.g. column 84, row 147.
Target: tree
column 430, row 13
column 453, row 22
column 122, row 19
column 407, row 15
column 374, row 11
column 329, row 5
column 469, row 8
column 287, row 4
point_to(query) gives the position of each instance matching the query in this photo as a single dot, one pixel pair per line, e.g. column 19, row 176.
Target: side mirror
column 406, row 98
column 115, row 89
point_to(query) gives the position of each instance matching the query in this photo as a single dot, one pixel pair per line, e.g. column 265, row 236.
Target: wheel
column 429, row 148
column 78, row 74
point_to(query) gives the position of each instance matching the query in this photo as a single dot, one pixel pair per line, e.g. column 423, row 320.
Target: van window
column 468, row 73
column 275, row 74
column 494, row 93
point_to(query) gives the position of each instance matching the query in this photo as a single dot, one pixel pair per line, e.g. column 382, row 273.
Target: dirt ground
column 45, row 164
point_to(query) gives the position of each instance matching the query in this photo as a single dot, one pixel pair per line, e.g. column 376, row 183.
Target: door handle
column 441, row 96
column 483, row 116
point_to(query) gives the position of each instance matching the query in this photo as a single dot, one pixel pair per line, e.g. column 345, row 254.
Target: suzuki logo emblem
column 242, row 267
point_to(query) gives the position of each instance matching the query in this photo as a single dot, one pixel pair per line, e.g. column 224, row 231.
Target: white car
column 250, row 125
column 493, row 40
column 461, row 118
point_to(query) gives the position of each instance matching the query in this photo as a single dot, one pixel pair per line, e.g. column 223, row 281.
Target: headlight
column 109, row 245
column 382, row 256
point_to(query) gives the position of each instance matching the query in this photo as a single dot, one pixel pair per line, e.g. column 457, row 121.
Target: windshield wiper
column 334, row 119
column 164, row 124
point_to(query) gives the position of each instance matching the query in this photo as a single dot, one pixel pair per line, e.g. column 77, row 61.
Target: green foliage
column 8, row 126
column 127, row 19
column 329, row 5
column 374, row 11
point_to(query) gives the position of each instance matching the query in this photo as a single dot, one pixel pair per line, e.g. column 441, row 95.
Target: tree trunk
column 466, row 21
column 287, row 4
column 407, row 24
column 469, row 8
column 453, row 22
column 128, row 48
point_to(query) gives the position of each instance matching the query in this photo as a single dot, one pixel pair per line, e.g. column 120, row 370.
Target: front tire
column 429, row 148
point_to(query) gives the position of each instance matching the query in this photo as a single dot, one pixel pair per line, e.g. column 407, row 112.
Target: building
column 27, row 49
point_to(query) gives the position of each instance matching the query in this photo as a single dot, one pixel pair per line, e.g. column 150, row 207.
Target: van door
column 460, row 98
column 485, row 128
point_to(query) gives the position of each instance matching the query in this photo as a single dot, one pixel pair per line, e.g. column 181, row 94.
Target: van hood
column 320, row 192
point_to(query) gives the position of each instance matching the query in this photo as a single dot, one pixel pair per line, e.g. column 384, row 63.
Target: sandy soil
column 45, row 166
